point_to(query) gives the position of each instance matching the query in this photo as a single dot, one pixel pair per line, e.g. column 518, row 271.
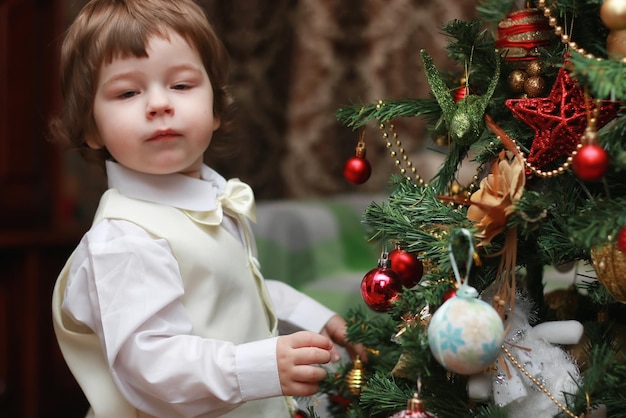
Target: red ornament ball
column 357, row 170
column 449, row 294
column 380, row 287
column 461, row 93
column 407, row 266
column 621, row 239
column 590, row 162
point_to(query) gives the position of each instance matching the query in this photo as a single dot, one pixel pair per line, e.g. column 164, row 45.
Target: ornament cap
column 415, row 404
column 384, row 261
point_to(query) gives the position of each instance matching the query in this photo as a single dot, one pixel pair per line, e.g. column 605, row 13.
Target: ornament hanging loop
column 590, row 136
column 360, row 145
column 464, row 289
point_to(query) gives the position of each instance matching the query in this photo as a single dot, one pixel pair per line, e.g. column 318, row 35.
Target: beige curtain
column 297, row 62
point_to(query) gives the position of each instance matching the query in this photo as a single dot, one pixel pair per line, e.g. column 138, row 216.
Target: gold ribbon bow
column 236, row 198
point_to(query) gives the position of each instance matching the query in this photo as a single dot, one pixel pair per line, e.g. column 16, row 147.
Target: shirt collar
column 175, row 190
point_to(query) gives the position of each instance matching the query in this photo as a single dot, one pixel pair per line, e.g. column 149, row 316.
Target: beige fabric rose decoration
column 492, row 204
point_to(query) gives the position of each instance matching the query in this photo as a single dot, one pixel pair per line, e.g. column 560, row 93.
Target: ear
column 216, row 122
column 93, row 141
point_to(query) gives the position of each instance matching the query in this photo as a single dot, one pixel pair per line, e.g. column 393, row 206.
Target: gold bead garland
column 550, row 173
column 402, row 155
column 565, row 38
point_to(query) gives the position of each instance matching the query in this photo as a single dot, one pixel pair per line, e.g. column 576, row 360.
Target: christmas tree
column 460, row 323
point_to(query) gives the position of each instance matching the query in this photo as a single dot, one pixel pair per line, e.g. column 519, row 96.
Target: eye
column 181, row 86
column 127, row 94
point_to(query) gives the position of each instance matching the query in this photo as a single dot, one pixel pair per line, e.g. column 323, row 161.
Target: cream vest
column 224, row 295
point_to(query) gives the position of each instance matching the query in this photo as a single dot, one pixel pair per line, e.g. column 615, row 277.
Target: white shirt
column 191, row 374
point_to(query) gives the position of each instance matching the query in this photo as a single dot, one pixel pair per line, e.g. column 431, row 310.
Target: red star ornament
column 559, row 120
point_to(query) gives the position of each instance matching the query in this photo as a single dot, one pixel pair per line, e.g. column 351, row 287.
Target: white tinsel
column 538, row 350
column 539, row 355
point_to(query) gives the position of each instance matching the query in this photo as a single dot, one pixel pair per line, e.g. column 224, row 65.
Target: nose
column 158, row 104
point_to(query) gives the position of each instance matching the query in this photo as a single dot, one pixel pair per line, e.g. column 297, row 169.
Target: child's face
column 155, row 114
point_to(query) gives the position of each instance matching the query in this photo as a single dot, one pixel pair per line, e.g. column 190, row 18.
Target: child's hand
column 335, row 329
column 298, row 355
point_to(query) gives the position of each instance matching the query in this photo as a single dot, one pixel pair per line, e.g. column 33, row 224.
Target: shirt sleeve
column 125, row 285
column 296, row 308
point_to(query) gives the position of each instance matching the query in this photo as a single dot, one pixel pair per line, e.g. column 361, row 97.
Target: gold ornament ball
column 610, row 266
column 535, row 86
column 442, row 140
column 534, row 68
column 355, row 378
column 616, row 44
column 613, row 14
column 516, row 81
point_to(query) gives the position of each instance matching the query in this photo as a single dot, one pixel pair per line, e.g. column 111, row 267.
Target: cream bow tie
column 237, row 197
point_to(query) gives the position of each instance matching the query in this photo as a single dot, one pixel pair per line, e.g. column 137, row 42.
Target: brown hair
column 109, row 29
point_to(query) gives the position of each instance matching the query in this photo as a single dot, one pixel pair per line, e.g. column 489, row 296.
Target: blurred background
column 294, row 63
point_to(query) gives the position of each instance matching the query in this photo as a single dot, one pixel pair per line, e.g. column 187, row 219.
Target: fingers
column 301, row 380
column 298, row 356
column 310, row 339
column 358, row 350
column 335, row 355
column 335, row 329
column 303, row 348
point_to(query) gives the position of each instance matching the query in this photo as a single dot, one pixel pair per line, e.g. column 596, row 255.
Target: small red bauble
column 357, row 170
column 461, row 93
column 590, row 162
column 380, row 287
column 407, row 266
column 621, row 239
column 449, row 295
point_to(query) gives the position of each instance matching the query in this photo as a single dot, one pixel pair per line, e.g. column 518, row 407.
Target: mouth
column 163, row 135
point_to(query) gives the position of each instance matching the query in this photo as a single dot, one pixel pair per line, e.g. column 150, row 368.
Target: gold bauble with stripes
column 355, row 378
column 610, row 266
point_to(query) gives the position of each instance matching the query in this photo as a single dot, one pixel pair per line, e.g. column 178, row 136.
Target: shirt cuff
column 257, row 370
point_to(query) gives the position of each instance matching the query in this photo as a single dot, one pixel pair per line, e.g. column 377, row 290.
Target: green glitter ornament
column 464, row 119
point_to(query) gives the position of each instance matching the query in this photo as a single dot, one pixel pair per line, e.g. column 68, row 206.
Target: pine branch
column 597, row 293
column 383, row 395
column 358, row 115
column 605, row 79
column 494, row 11
column 416, row 217
column 470, row 43
column 596, row 221
column 613, row 139
column 447, row 173
column 605, row 378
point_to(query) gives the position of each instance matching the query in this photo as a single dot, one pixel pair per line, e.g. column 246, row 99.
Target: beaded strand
column 402, row 157
column 539, row 384
column 565, row 38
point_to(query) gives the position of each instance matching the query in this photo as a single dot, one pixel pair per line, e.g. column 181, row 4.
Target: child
column 161, row 309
